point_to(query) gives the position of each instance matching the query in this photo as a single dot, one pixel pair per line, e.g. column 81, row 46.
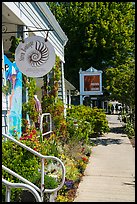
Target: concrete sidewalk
column 110, row 173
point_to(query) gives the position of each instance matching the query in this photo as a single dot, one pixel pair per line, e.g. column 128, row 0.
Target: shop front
column 21, row 20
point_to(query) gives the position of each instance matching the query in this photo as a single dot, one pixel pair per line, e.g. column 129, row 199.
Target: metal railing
column 42, row 157
column 41, row 124
column 10, row 185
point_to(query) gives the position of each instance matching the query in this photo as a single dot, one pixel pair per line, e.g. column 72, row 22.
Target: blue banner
column 14, row 81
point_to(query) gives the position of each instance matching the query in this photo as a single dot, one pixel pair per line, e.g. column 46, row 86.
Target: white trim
column 63, row 87
column 44, row 7
column 82, row 74
column 26, row 15
column 69, row 86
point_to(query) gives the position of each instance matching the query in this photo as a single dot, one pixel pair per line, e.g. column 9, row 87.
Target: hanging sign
column 35, row 57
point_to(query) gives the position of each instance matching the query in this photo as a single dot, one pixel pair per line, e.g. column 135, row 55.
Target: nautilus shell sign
column 35, row 57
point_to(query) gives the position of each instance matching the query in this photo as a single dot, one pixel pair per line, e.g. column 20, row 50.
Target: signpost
column 90, row 83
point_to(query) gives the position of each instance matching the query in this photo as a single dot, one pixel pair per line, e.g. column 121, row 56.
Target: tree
column 121, row 83
column 101, row 34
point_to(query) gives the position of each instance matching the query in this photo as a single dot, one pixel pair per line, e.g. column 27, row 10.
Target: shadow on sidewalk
column 117, row 130
column 107, row 141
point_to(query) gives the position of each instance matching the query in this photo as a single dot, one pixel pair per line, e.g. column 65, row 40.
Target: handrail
column 41, row 121
column 19, row 185
column 20, row 177
column 43, row 157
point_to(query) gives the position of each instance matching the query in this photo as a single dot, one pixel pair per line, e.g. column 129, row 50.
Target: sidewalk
column 110, row 173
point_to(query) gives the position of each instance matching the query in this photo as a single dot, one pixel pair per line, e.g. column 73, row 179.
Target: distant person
column 126, row 109
column 109, row 110
column 112, row 109
column 120, row 110
column 116, row 108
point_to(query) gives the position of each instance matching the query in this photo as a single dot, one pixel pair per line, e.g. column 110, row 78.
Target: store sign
column 35, row 57
column 92, row 83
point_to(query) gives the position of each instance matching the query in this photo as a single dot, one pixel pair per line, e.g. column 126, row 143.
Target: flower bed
column 73, row 148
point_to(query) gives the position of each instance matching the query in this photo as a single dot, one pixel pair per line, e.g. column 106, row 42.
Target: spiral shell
column 39, row 55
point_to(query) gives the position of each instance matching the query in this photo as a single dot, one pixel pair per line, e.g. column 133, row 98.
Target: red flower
column 29, row 137
column 34, row 131
column 15, row 131
column 23, row 138
column 84, row 159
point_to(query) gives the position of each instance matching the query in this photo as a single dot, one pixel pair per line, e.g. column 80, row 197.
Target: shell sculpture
column 39, row 55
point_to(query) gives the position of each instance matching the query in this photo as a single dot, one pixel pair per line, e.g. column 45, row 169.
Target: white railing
column 43, row 157
column 41, row 124
column 10, row 185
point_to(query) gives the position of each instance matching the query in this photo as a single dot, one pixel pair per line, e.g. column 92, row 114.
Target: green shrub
column 129, row 130
column 25, row 164
column 84, row 122
column 19, row 160
column 101, row 123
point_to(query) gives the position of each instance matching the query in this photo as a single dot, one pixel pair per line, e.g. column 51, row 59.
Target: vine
column 51, row 89
column 6, row 89
column 14, row 44
column 52, row 104
column 29, row 106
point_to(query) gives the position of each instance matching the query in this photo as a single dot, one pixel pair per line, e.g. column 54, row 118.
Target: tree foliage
column 102, row 35
column 121, row 83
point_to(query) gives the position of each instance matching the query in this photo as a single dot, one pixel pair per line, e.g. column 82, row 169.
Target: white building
column 69, row 91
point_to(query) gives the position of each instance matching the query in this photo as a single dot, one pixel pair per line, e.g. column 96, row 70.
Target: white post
column 8, row 193
column 103, row 104
column 63, row 88
column 42, row 179
column 81, row 100
column 69, row 98
column 80, row 80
